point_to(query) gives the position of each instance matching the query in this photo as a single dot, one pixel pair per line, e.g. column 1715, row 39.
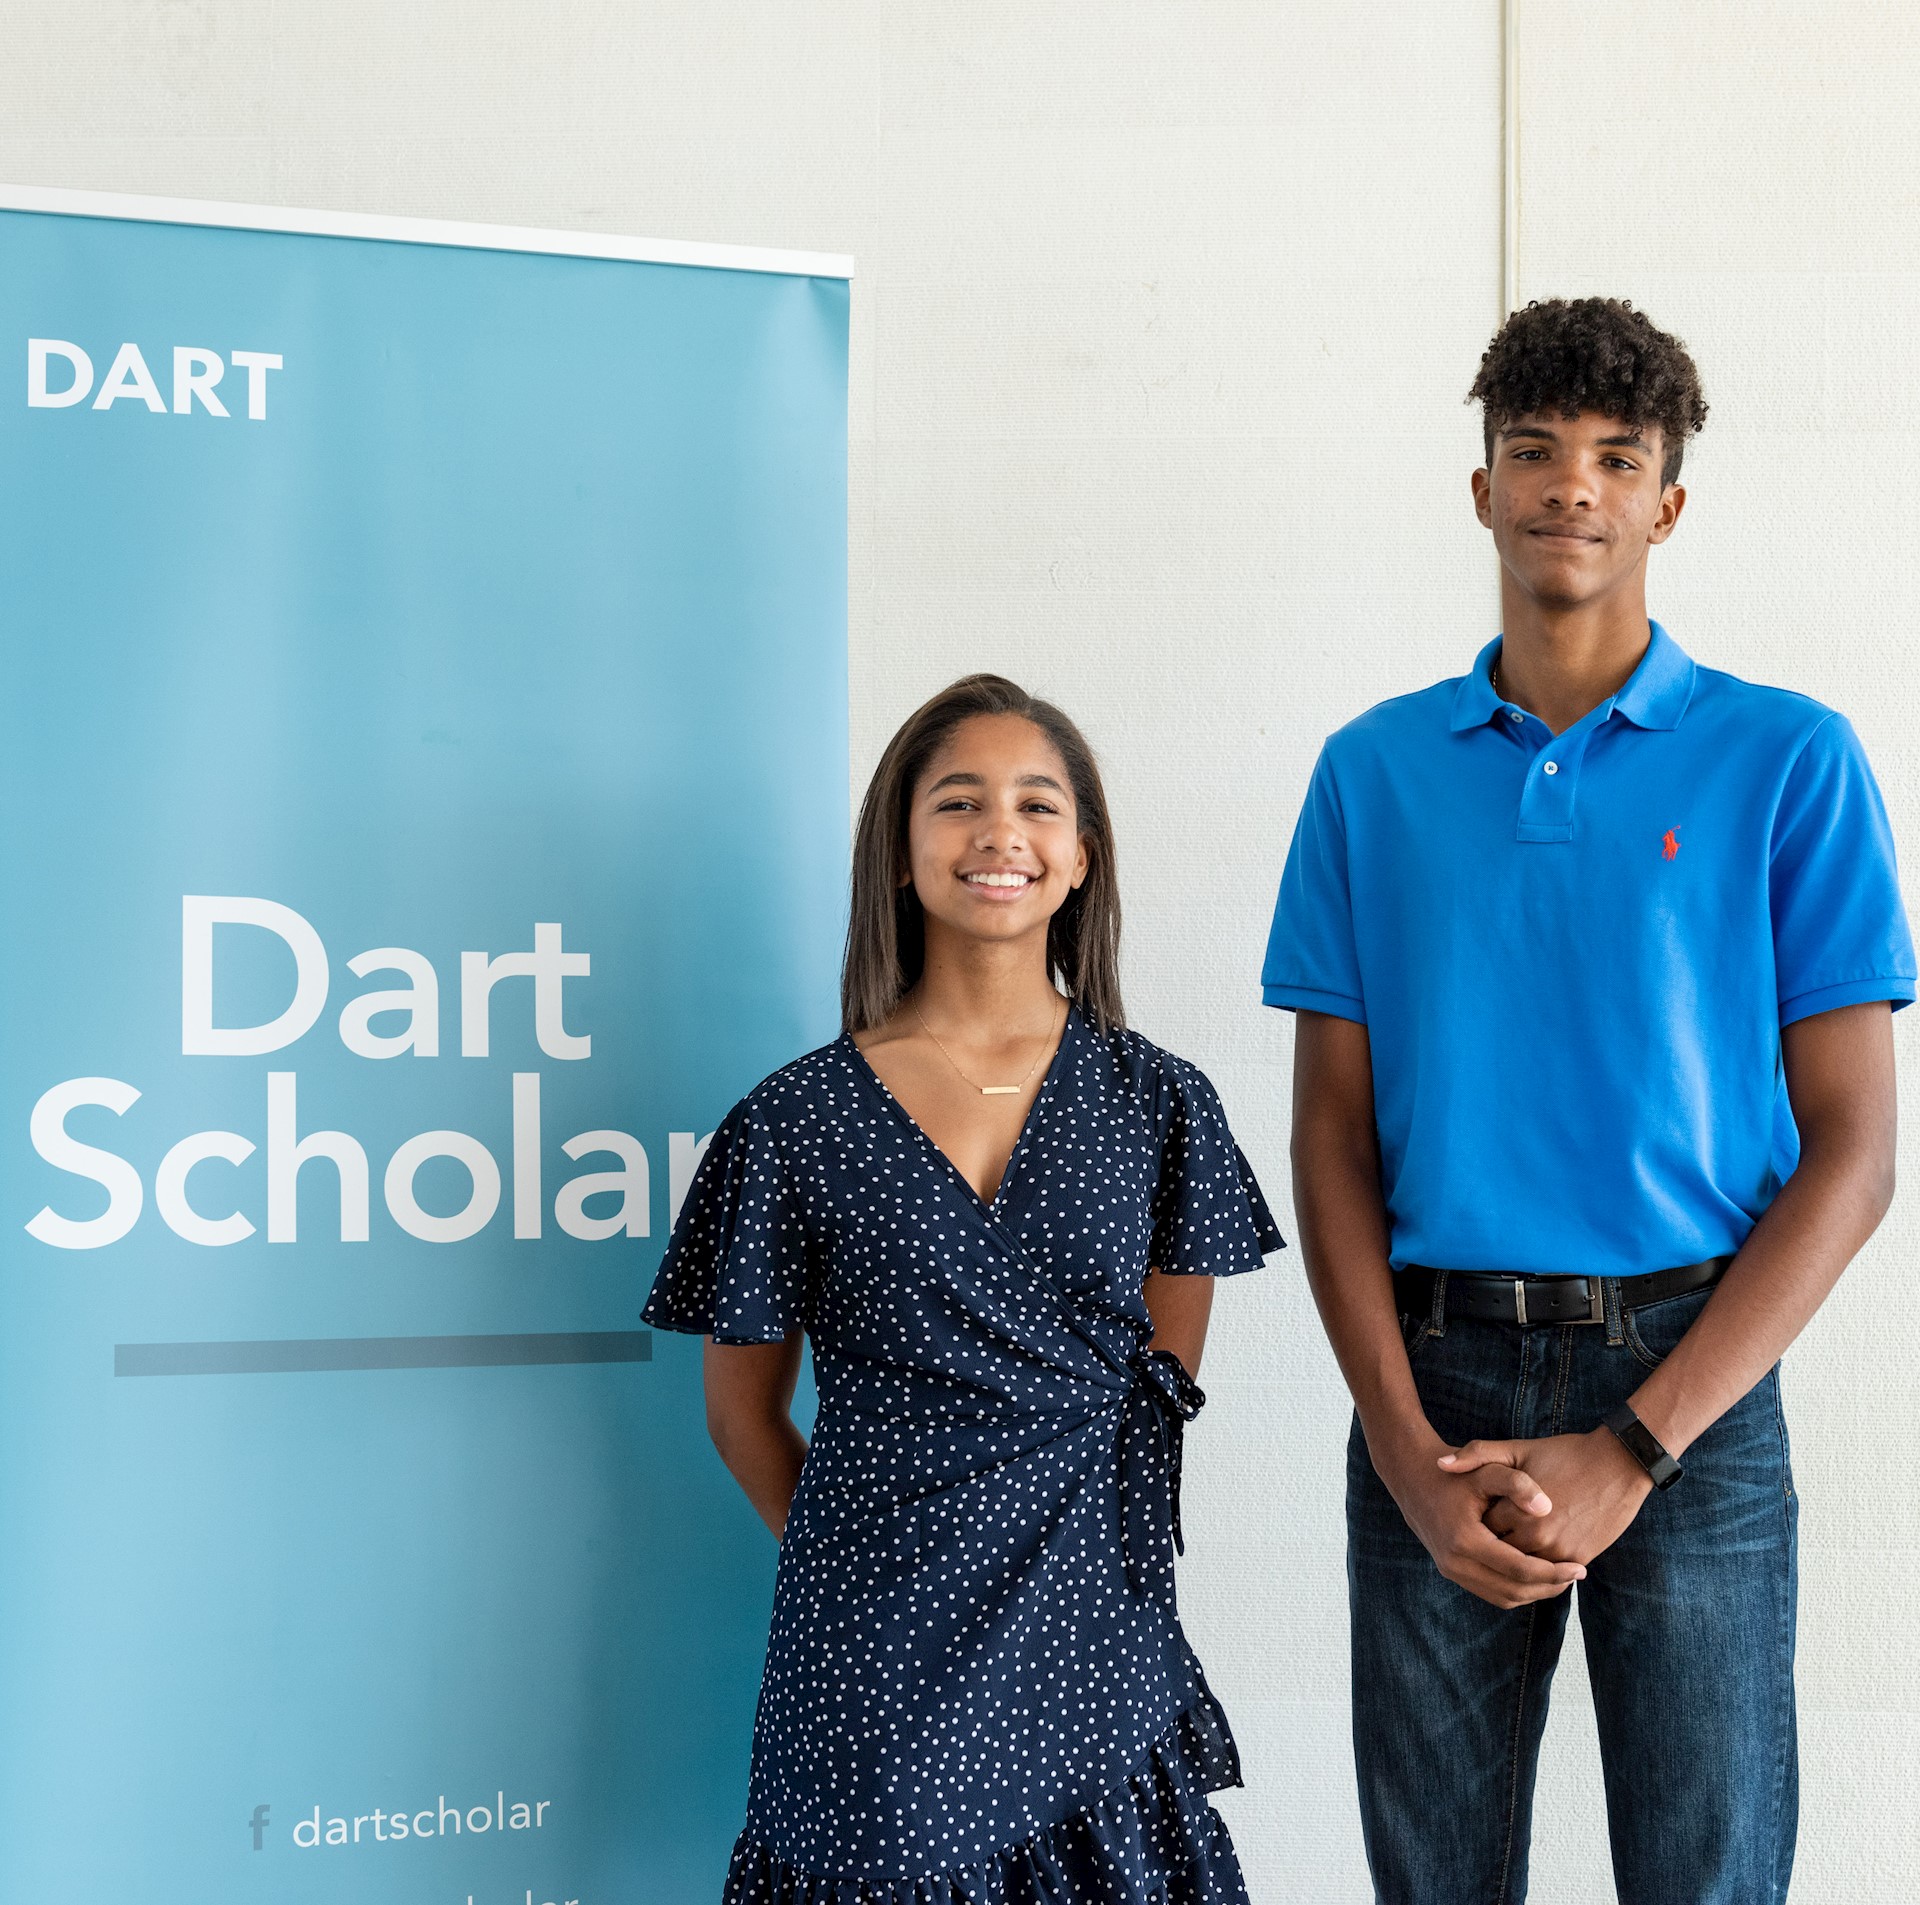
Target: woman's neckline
column 989, row 1205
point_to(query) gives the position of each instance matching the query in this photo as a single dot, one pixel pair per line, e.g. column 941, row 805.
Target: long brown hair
column 886, row 930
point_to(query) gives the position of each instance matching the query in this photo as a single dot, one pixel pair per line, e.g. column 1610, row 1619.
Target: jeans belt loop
column 1437, row 1321
column 1615, row 1303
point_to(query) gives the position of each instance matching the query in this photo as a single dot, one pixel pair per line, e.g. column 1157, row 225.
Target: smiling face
column 993, row 835
column 1574, row 504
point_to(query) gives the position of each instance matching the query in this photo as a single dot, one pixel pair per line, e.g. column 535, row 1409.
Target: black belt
column 1532, row 1301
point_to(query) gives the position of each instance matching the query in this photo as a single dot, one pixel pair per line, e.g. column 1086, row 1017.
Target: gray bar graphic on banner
column 298, row 1354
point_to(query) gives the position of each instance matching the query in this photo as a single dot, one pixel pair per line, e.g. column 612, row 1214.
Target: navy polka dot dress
column 977, row 1689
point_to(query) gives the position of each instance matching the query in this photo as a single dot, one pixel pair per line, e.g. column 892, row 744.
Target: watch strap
column 1644, row 1446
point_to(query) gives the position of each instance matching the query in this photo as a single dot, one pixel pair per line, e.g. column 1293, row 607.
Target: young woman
column 997, row 1213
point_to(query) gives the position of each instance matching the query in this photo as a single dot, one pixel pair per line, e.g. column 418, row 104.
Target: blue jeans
column 1688, row 1620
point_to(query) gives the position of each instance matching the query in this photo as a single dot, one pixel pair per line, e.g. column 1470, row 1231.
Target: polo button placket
column 1553, row 781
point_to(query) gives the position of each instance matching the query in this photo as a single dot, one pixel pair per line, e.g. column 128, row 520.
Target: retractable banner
column 425, row 812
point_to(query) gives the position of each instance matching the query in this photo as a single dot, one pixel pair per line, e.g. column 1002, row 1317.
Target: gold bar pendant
column 999, row 1091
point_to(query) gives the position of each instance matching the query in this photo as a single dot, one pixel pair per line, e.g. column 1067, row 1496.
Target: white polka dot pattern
column 976, row 1673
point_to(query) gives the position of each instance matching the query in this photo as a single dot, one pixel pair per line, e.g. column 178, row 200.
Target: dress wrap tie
column 1163, row 1400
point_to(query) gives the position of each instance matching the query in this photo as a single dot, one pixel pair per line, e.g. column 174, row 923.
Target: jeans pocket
column 1654, row 1330
column 1414, row 1331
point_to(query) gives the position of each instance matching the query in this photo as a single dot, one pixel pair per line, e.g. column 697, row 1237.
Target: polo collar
column 1658, row 691
column 1474, row 702
column 1656, row 694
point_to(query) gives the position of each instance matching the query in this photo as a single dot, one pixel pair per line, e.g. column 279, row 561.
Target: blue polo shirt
column 1574, row 953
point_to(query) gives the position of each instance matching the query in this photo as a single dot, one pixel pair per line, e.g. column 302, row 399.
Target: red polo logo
column 1670, row 844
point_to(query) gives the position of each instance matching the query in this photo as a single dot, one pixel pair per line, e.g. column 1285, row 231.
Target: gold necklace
column 994, row 1091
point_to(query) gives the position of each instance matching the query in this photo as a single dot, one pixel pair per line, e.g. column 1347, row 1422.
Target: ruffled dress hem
column 1151, row 1840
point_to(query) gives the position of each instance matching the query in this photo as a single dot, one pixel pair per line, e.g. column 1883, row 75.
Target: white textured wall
column 1163, row 319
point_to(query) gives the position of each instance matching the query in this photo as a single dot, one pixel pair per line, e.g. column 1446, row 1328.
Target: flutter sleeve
column 735, row 1267
column 1210, row 1218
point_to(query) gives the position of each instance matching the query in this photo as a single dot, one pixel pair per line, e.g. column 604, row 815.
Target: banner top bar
column 423, row 231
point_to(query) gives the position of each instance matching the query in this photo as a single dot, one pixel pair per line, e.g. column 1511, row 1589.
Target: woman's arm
column 749, row 1399
column 1179, row 1307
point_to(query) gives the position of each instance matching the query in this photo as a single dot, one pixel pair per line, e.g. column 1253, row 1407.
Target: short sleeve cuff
column 696, row 1314
column 1336, row 1005
column 1806, row 1005
column 746, row 1336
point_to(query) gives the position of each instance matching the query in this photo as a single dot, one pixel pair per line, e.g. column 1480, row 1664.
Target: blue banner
column 425, row 812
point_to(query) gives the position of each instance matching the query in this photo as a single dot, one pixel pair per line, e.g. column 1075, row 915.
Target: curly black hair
column 1575, row 354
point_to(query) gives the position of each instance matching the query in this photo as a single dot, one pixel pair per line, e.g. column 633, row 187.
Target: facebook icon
column 259, row 1823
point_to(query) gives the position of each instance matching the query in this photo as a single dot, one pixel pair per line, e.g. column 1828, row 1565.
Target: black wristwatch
column 1640, row 1442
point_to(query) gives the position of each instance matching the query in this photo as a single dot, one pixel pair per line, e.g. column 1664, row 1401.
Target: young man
column 1593, row 952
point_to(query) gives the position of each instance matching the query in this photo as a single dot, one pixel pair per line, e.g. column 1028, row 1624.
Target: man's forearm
column 1785, row 1271
column 1839, row 1070
column 1791, row 1260
column 1343, row 1236
column 1343, row 1240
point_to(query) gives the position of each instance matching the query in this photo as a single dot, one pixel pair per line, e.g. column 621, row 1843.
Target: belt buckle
column 1596, row 1302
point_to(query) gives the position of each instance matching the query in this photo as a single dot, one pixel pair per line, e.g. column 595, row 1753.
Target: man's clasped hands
column 1517, row 1521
